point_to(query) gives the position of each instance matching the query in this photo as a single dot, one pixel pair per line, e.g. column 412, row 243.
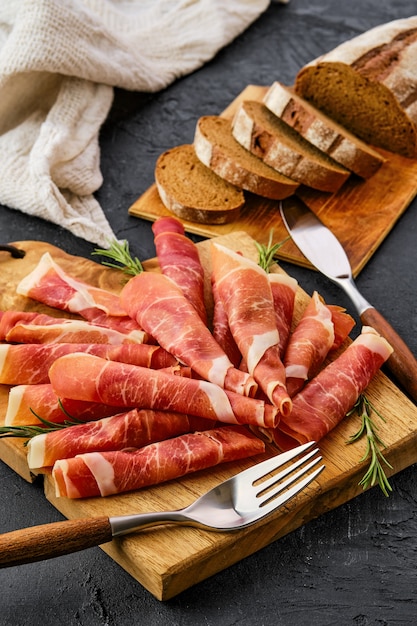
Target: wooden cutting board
column 167, row 560
column 361, row 214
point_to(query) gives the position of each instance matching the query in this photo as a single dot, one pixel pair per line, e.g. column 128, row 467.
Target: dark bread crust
column 369, row 85
column 216, row 147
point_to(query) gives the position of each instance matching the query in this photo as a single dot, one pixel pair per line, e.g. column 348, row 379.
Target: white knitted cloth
column 59, row 62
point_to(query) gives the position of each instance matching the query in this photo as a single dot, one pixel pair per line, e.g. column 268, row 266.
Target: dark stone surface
column 355, row 565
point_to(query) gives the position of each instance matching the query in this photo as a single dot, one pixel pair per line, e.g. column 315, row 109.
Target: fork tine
column 270, row 482
column 275, row 503
column 264, row 495
column 261, row 469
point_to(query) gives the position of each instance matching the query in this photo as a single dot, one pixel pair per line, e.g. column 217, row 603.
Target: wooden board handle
column 402, row 363
column 46, row 541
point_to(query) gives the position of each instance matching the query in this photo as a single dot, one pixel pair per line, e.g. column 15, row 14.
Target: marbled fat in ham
column 178, row 259
column 49, row 284
column 30, row 327
column 309, row 344
column 245, row 291
column 26, row 402
column 328, row 397
column 107, row 473
column 321, row 329
column 131, row 429
column 160, row 307
column 221, row 329
column 90, row 378
column 28, row 364
column 283, row 289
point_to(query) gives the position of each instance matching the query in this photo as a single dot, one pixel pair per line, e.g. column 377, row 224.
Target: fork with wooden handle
column 234, row 504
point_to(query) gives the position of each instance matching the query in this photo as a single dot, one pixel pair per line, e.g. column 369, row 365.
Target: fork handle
column 46, row 541
column 402, row 362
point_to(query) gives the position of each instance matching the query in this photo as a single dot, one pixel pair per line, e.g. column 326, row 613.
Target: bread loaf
column 323, row 132
column 216, row 147
column 193, row 191
column 278, row 145
column 369, row 85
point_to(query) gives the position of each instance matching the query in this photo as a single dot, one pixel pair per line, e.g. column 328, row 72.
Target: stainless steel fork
column 234, row 504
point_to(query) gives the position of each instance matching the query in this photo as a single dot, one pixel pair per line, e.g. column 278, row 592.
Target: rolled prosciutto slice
column 283, row 289
column 49, row 284
column 162, row 310
column 26, row 402
column 90, row 378
column 245, row 291
column 309, row 344
column 221, row 329
column 328, row 397
column 178, row 259
column 107, row 473
column 131, row 429
column 312, row 340
column 28, row 364
column 29, row 327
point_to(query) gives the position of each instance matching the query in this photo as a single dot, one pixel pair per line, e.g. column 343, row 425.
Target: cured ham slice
column 25, row 402
column 131, row 429
column 90, row 378
column 342, row 323
column 28, row 364
column 309, row 344
column 283, row 289
column 312, row 340
column 328, row 397
column 221, row 329
column 245, row 291
column 49, row 284
column 107, row 473
column 29, row 327
column 162, row 310
column 178, row 259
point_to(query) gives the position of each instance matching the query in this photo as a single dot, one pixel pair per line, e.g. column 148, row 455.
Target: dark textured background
column 355, row 565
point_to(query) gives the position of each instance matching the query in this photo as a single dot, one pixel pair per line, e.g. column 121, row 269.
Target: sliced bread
column 193, row 191
column 322, row 131
column 278, row 145
column 369, row 85
column 216, row 147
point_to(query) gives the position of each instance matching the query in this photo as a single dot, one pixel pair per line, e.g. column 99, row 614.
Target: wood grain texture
column 361, row 214
column 167, row 560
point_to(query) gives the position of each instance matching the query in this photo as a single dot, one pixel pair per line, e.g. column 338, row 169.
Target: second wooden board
column 361, row 214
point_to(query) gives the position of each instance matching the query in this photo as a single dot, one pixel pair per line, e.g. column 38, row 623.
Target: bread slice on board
column 216, row 147
column 193, row 191
column 322, row 131
column 278, row 145
column 369, row 85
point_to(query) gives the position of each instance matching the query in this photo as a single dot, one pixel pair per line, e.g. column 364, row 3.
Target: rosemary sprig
column 375, row 473
column 121, row 258
column 268, row 252
column 28, row 432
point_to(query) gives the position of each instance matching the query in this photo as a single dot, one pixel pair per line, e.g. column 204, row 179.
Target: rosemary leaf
column 268, row 252
column 375, row 474
column 28, row 432
column 121, row 258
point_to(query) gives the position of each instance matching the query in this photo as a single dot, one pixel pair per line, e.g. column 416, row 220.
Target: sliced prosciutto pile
column 159, row 392
column 160, row 307
column 328, row 397
column 131, row 429
column 29, row 327
column 245, row 292
column 107, row 473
